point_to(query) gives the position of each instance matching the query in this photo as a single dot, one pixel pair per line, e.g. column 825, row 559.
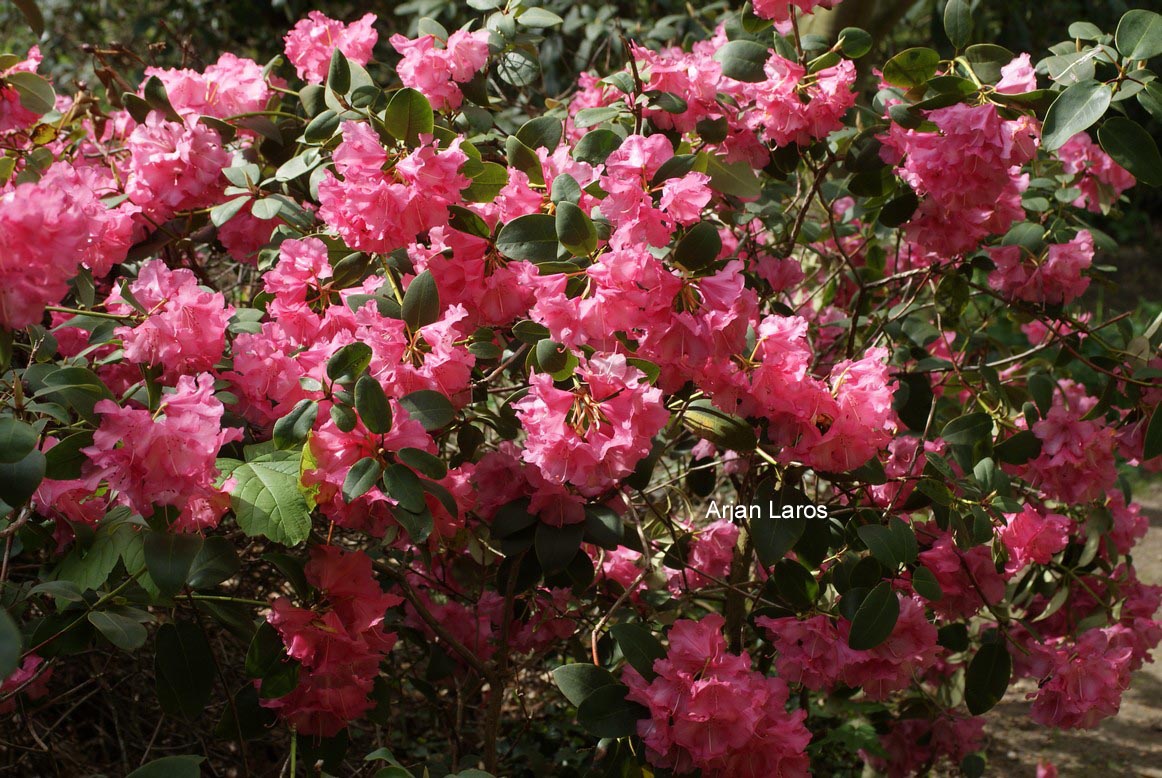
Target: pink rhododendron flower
column 173, row 167
column 709, row 711
column 1085, row 681
column 184, row 332
column 1076, row 463
column 229, row 87
column 968, row 579
column 1055, row 278
column 1018, row 76
column 338, row 646
column 312, row 41
column 1032, row 537
column 166, row 458
column 14, row 117
column 1101, row 180
column 437, row 68
column 593, row 436
column 29, row 678
column 913, row 745
column 710, row 557
column 787, row 111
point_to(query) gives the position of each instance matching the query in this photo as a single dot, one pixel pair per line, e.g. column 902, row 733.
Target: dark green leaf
column 987, row 678
column 409, row 115
column 184, row 668
column 120, row 630
column 20, row 480
column 372, row 404
column 1019, row 448
column 743, row 60
column 464, row 220
column 574, row 229
column 36, row 94
column 556, row 546
column 958, row 22
column 607, row 713
column 430, row 408
column 875, row 618
column 421, row 301
column 911, row 67
column 292, row 429
column 578, row 681
column 216, row 562
column 31, row 12
column 602, row 527
column 968, row 429
column 722, row 429
column 532, row 237
column 423, row 462
column 737, row 179
column 542, row 132
column 339, row 73
column 360, row 478
column 699, row 247
column 639, row 647
column 926, row 585
column 1152, row 444
column 17, row 439
column 854, row 42
column 1139, row 34
column 596, row 146
column 404, row 486
column 1133, row 148
column 11, row 644
column 168, row 558
column 349, row 362
column 1076, row 109
column 795, row 584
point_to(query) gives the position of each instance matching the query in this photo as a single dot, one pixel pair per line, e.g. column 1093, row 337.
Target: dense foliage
column 714, row 419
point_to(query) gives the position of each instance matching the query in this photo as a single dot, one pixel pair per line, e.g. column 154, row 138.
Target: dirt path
column 1127, row 745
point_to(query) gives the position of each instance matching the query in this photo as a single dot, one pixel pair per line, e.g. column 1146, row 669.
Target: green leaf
column 578, row 681
column 292, row 429
column 743, row 60
column 216, row 562
column 423, row 462
column 360, row 478
column 565, row 187
column 587, row 117
column 700, row 246
column 511, row 518
column 487, row 181
column 20, row 480
column 556, row 546
column 17, row 439
column 968, row 429
column 1133, row 148
column 987, row 678
column 733, row 178
column 575, row 230
column 184, row 668
column 1152, row 444
column 168, row 558
column 349, row 362
column 1139, row 34
column 32, row 15
column 538, row 17
column 120, row 630
column 464, row 220
column 925, row 583
column 36, row 94
column 875, row 618
column 542, row 132
column 1150, row 98
column 639, row 647
column 267, row 501
column 1019, row 448
column 854, row 42
column 430, row 408
column 911, row 67
column 11, row 644
column 518, row 67
column 421, row 301
column 722, row 429
column 532, row 237
column 339, row 73
column 170, row 767
column 958, row 22
column 409, row 115
column 795, row 584
column 1076, row 109
column 602, row 527
column 607, row 713
column 404, row 487
column 321, row 128
column 372, row 404
column 894, row 544
column 596, row 146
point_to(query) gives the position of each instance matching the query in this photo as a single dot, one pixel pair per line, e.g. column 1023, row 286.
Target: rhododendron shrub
column 757, row 403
